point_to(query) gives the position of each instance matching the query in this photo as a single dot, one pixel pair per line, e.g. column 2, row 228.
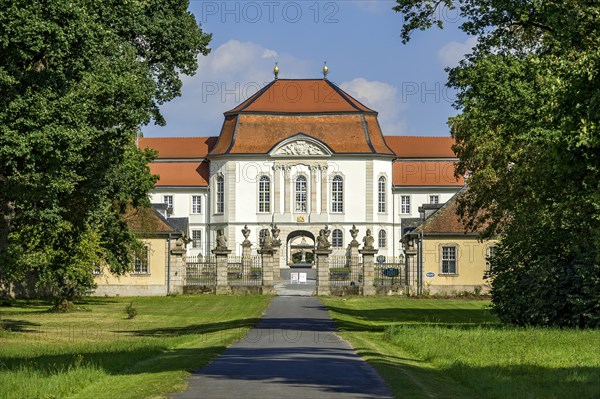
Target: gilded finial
column 325, row 70
column 276, row 71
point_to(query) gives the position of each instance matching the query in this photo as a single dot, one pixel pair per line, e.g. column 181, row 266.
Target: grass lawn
column 457, row 348
column 97, row 352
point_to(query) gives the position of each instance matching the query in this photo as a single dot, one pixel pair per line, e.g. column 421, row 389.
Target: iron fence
column 201, row 270
column 244, row 270
column 390, row 272
column 344, row 270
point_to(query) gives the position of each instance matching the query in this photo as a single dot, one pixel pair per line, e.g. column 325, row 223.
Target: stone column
column 410, row 262
column 276, row 189
column 313, row 188
column 221, row 257
column 275, row 245
column 323, row 169
column 267, row 270
column 246, row 258
column 368, row 270
column 286, row 189
column 354, row 257
column 322, row 259
column 177, row 270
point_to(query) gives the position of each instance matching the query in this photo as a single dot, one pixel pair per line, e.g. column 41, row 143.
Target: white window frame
column 381, row 194
column 142, row 266
column 196, row 239
column 168, row 200
column 301, row 194
column 219, row 194
column 337, row 194
column 432, row 197
column 196, row 204
column 337, row 238
column 382, row 238
column 449, row 259
column 264, row 194
column 405, row 204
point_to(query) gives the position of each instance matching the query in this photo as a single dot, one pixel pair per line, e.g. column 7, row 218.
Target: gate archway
column 298, row 241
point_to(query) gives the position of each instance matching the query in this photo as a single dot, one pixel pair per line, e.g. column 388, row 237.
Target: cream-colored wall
column 157, row 263
column 470, row 264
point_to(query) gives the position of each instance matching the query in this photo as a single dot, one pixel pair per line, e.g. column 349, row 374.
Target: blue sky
column 360, row 40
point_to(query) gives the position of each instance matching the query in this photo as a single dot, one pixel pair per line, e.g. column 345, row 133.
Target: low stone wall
column 455, row 290
column 228, row 290
column 130, row 290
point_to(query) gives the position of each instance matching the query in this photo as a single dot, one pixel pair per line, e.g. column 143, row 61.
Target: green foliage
column 528, row 137
column 78, row 79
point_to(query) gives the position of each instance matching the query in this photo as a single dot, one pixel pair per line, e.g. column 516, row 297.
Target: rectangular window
column 196, row 238
column 196, row 204
column 489, row 253
column 264, row 194
column 405, row 204
column 168, row 199
column 449, row 260
column 141, row 262
column 220, row 200
column 301, row 194
column 434, row 199
column 381, row 208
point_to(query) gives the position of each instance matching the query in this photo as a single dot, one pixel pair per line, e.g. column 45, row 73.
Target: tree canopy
column 527, row 135
column 78, row 79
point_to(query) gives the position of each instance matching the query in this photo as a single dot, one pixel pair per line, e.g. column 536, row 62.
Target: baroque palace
column 300, row 154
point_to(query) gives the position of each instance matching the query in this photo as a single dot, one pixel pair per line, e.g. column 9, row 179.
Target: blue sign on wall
column 380, row 259
column 430, row 274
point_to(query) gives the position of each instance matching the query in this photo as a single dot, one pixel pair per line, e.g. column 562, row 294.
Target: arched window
column 381, row 195
column 261, row 235
column 264, row 194
column 337, row 194
column 337, row 238
column 382, row 239
column 220, row 198
column 301, row 194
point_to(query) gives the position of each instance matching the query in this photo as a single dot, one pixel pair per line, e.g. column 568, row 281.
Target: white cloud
column 453, row 52
column 381, row 97
column 231, row 73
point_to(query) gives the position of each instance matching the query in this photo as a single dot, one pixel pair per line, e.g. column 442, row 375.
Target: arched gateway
column 299, row 246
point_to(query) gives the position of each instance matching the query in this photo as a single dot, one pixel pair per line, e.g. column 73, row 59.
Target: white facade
column 362, row 203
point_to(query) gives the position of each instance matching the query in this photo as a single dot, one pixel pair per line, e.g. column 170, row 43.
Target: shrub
column 131, row 311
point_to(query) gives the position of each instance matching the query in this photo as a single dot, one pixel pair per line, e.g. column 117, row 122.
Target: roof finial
column 276, row 71
column 325, row 70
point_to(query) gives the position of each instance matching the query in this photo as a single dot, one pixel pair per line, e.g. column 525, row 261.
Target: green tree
column 528, row 137
column 78, row 79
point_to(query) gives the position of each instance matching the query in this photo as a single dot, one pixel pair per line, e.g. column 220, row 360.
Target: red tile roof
column 147, row 221
column 184, row 174
column 258, row 134
column 179, row 147
column 445, row 220
column 314, row 107
column 421, row 146
column 426, row 174
column 301, row 96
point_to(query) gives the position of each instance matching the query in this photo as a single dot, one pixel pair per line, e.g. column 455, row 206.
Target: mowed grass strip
column 98, row 352
column 457, row 348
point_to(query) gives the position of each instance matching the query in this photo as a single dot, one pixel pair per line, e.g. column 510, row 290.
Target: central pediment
column 300, row 145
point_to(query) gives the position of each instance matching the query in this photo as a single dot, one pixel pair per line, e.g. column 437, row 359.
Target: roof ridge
column 438, row 212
